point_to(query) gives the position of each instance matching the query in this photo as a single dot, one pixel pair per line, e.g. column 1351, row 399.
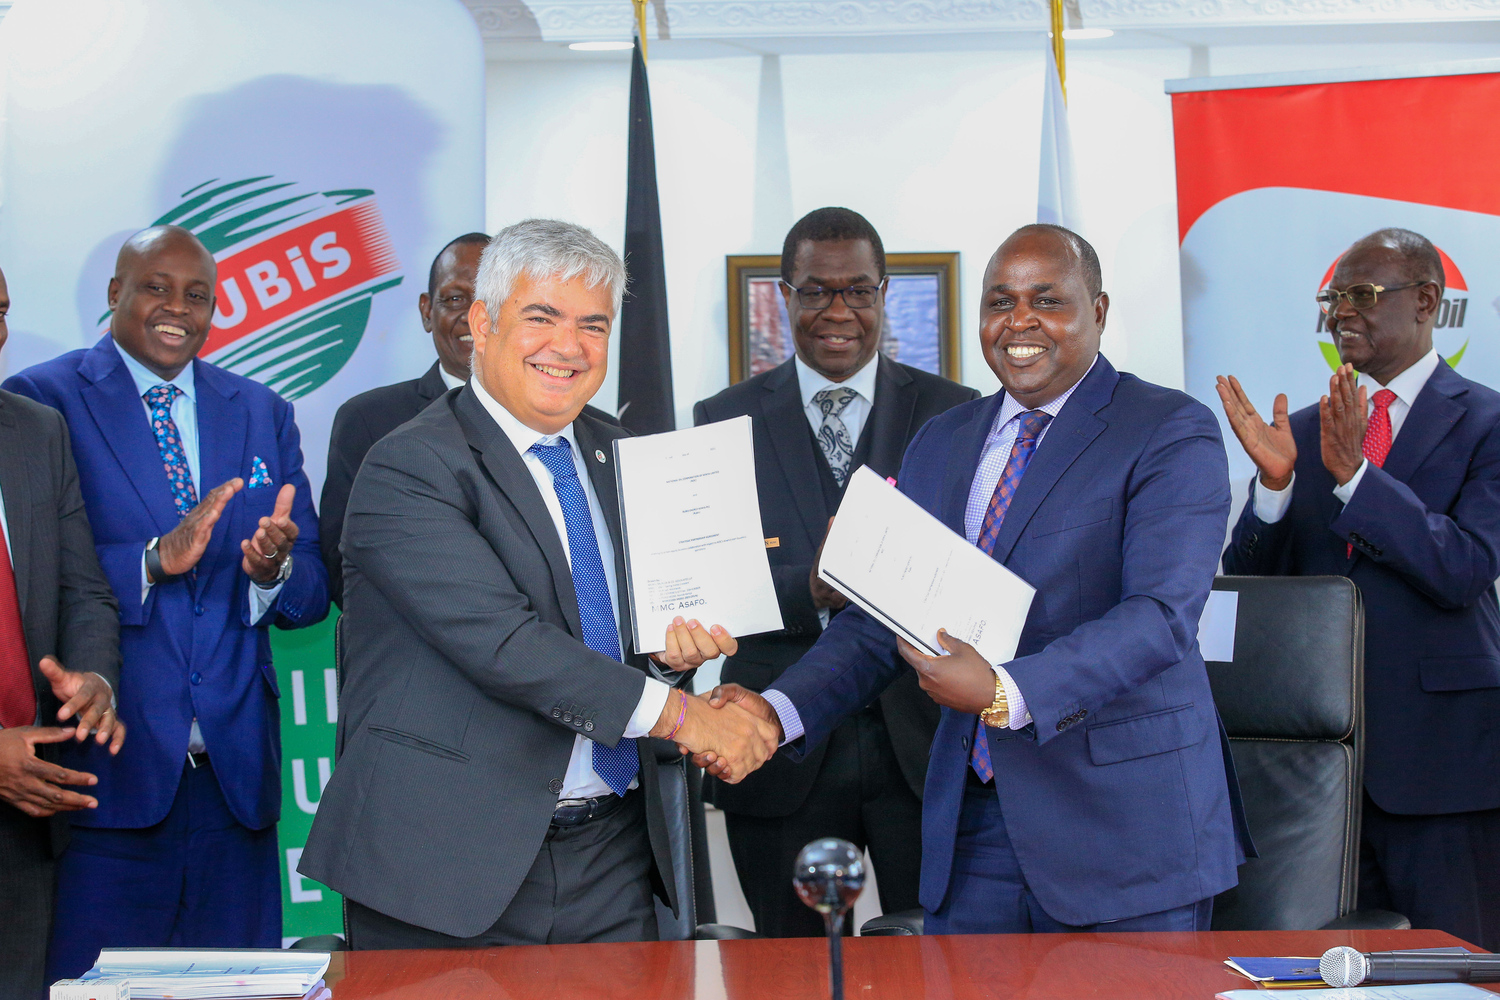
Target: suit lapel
column 514, row 480
column 883, row 442
column 120, row 416
column 223, row 435
column 786, row 426
column 431, row 385
column 606, row 488
column 15, row 484
column 1071, row 431
column 1438, row 407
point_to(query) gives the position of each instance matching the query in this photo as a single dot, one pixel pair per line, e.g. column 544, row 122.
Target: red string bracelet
column 682, row 715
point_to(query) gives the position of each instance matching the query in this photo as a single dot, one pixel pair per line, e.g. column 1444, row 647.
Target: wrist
column 155, row 571
column 1275, row 483
column 668, row 723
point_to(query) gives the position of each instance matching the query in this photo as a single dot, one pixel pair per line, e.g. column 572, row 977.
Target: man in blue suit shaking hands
column 1393, row 480
column 182, row 848
column 1082, row 785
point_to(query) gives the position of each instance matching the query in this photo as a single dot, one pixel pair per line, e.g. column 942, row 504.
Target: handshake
column 731, row 731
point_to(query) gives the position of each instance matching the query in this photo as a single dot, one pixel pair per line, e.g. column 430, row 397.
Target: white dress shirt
column 581, row 780
column 451, row 381
column 997, row 448
column 185, row 415
column 810, row 383
column 1271, row 505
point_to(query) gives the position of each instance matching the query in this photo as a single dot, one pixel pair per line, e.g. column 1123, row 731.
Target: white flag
column 1056, row 194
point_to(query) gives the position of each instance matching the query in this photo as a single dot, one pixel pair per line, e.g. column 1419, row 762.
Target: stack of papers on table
column 231, row 974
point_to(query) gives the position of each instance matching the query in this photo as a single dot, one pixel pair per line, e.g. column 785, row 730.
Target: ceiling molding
column 583, row 20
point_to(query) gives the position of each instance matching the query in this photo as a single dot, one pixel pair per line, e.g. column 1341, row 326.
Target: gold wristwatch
column 997, row 716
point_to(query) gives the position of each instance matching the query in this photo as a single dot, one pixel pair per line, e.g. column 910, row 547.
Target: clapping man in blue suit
column 1081, row 785
column 182, row 848
column 1393, row 480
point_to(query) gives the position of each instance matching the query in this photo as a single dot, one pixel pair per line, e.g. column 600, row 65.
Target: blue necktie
column 617, row 765
column 169, row 443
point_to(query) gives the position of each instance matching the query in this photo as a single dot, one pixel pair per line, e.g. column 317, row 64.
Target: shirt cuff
column 145, row 578
column 1271, row 505
column 261, row 599
column 786, row 712
column 648, row 709
column 1345, row 493
column 1020, row 716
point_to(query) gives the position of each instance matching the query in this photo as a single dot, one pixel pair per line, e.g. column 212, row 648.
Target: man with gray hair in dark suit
column 497, row 778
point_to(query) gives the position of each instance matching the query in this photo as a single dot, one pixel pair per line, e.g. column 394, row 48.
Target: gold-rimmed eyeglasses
column 1361, row 296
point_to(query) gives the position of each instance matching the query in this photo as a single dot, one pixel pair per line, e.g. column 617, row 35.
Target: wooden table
column 1036, row 967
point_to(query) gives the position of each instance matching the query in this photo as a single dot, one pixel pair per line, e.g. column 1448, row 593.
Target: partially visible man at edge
column 366, row 418
column 182, row 849
column 1393, row 480
column 1082, row 785
column 55, row 608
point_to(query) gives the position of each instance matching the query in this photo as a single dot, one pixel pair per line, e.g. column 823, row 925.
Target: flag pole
column 640, row 24
column 1057, row 42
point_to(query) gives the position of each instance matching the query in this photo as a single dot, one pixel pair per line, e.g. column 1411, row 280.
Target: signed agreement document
column 915, row 575
column 693, row 542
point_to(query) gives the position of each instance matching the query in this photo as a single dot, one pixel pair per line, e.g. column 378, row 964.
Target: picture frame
column 921, row 314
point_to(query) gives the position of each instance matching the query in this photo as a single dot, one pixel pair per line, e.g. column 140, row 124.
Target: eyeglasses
column 1360, row 296
column 855, row 296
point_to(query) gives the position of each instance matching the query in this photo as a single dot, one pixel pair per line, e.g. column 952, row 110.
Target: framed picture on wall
column 921, row 314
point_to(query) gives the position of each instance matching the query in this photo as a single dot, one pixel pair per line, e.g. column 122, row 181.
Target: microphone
column 829, row 877
column 1345, row 966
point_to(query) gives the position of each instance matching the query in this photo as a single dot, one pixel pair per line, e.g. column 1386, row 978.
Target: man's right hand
column 1270, row 446
column 738, row 740
column 182, row 547
column 734, row 696
column 823, row 595
column 33, row 785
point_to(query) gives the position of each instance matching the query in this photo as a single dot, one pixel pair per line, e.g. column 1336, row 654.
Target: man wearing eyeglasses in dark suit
column 837, row 404
column 1393, row 480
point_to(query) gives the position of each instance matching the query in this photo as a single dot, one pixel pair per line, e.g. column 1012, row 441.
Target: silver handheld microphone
column 1345, row 966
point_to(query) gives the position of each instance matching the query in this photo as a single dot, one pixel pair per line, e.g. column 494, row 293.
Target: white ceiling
column 513, row 29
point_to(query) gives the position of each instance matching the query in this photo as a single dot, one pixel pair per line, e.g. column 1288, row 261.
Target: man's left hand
column 962, row 680
column 271, row 545
column 1342, row 419
column 690, row 645
column 88, row 697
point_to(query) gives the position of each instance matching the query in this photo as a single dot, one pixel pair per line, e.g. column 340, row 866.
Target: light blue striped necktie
column 617, row 765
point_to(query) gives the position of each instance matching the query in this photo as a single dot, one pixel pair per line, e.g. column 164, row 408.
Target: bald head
column 1078, row 248
column 162, row 298
column 1418, row 259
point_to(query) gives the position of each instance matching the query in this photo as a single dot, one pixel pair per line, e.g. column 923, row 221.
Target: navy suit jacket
column 189, row 650
column 1426, row 536
column 1115, row 797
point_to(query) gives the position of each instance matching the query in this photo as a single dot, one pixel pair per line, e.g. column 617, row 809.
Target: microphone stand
column 829, row 877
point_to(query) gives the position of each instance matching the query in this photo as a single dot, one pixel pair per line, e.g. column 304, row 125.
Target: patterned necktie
column 617, row 765
column 1033, row 422
column 833, row 436
column 169, row 443
column 17, row 696
column 1377, row 437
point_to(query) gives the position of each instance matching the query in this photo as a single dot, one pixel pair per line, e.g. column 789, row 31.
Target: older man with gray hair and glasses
column 496, row 780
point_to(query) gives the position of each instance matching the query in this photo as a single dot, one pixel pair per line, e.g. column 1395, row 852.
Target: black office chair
column 1292, row 702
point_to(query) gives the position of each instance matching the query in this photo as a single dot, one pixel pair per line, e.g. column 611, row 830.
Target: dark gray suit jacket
column 795, row 509
column 466, row 677
column 67, row 608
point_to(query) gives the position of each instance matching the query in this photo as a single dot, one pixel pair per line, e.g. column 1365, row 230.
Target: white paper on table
column 916, row 575
column 1216, row 626
column 690, row 517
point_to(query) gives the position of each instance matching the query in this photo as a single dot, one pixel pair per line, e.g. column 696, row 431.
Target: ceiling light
column 612, row 46
column 1085, row 34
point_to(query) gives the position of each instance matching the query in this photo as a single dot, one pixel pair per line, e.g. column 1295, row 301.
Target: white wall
column 939, row 150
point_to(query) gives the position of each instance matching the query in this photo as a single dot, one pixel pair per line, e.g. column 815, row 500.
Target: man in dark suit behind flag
column 837, row 404
column 1393, row 480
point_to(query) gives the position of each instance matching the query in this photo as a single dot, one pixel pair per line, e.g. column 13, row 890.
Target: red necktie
column 17, row 696
column 1377, row 437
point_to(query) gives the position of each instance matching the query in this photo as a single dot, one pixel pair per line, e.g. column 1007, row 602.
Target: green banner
column 309, row 716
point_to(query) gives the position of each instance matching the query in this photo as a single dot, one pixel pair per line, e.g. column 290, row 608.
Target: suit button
column 557, row 713
column 964, row 742
column 1062, row 725
column 568, row 717
column 196, row 677
column 1082, row 712
column 588, row 727
column 555, row 785
column 198, row 610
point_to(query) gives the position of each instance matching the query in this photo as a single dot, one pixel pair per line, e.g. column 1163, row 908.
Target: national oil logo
column 1452, row 311
column 297, row 273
